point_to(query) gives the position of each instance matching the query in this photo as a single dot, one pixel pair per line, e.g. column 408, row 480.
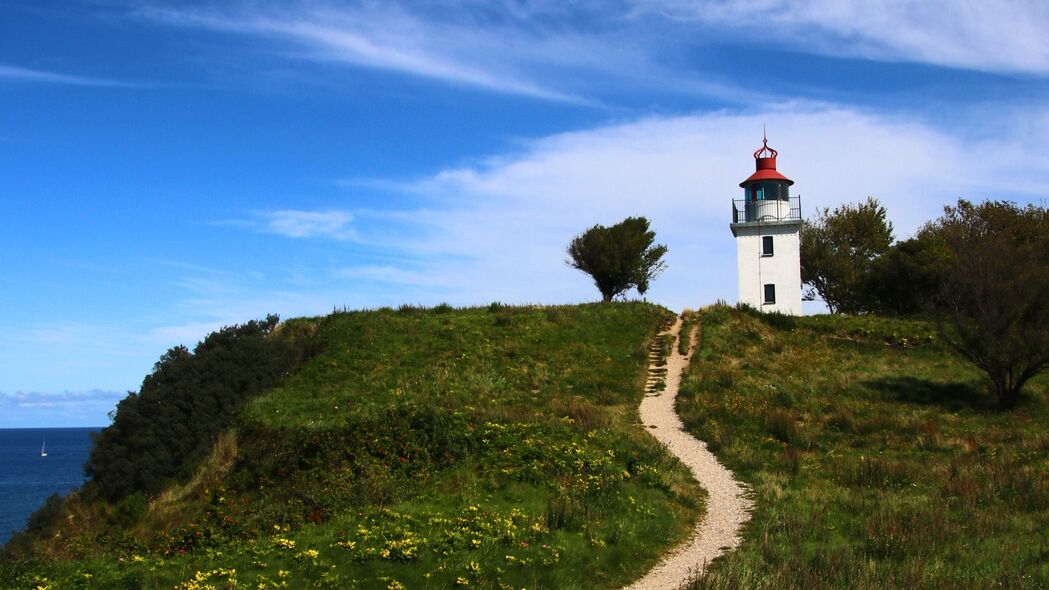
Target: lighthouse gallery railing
column 744, row 210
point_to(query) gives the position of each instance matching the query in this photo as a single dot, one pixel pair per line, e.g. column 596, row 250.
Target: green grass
column 875, row 457
column 424, row 448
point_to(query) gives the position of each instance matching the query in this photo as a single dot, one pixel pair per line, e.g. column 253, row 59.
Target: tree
column 619, row 257
column 907, row 279
column 994, row 298
column 837, row 251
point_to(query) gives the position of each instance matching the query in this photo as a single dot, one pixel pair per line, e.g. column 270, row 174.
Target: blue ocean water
column 27, row 479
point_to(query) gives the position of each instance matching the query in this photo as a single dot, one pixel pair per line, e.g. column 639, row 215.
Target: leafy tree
column 994, row 298
column 907, row 279
column 619, row 258
column 838, row 250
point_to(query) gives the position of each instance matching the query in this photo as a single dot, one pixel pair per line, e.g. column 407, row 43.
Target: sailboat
column 43, row 448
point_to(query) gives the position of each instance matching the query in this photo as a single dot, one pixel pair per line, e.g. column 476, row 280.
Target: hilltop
column 491, row 447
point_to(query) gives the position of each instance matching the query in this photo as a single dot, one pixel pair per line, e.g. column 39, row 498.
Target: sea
column 27, row 479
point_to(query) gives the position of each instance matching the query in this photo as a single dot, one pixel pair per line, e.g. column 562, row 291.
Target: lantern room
column 766, row 192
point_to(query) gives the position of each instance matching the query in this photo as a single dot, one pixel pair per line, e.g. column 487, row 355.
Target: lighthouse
column 767, row 225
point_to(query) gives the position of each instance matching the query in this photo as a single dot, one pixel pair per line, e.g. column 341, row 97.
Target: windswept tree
column 994, row 297
column 619, row 258
column 838, row 249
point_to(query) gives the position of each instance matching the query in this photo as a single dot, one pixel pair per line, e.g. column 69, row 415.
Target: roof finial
column 765, row 151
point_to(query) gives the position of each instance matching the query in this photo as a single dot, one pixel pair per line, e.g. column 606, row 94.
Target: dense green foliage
column 995, row 290
column 618, row 258
column 838, row 250
column 165, row 429
column 423, row 448
column 874, row 457
column 908, row 278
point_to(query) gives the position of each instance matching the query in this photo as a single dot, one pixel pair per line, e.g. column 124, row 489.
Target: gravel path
column 727, row 506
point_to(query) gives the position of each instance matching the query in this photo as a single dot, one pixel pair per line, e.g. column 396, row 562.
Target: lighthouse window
column 770, row 293
column 766, row 246
column 760, row 192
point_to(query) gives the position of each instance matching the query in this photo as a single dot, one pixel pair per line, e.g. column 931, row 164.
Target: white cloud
column 308, row 224
column 9, row 72
column 991, row 35
column 509, row 220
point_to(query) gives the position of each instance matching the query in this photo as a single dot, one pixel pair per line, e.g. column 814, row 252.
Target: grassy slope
column 874, row 457
column 427, row 448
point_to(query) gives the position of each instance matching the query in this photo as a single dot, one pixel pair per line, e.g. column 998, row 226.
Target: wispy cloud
column 448, row 45
column 585, row 53
column 990, row 35
column 20, row 74
column 292, row 223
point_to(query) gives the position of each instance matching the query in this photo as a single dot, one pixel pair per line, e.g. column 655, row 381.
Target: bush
column 163, row 431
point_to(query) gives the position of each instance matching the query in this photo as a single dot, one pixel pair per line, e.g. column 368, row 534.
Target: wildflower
column 283, row 543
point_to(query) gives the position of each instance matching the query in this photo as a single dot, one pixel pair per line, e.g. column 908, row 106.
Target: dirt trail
column 727, row 506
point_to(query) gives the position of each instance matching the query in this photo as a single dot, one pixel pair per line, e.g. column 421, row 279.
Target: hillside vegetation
column 419, row 448
column 877, row 458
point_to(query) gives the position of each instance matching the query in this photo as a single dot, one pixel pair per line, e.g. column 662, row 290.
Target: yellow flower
column 283, row 543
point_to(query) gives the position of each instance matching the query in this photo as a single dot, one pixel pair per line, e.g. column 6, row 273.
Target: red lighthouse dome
column 765, row 165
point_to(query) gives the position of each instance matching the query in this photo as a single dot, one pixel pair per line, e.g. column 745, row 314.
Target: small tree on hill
column 837, row 251
column 619, row 258
column 994, row 297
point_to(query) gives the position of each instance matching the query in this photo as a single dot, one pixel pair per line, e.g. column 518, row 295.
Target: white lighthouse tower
column 767, row 226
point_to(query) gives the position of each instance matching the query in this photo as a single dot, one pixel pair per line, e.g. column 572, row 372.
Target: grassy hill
column 498, row 448
column 875, row 457
column 421, row 448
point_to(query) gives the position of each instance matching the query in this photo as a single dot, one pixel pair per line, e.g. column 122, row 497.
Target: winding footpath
column 727, row 508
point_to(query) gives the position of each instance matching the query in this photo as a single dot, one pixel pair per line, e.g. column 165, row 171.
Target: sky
column 169, row 168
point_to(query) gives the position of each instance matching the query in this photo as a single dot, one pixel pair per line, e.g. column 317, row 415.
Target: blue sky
column 170, row 168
